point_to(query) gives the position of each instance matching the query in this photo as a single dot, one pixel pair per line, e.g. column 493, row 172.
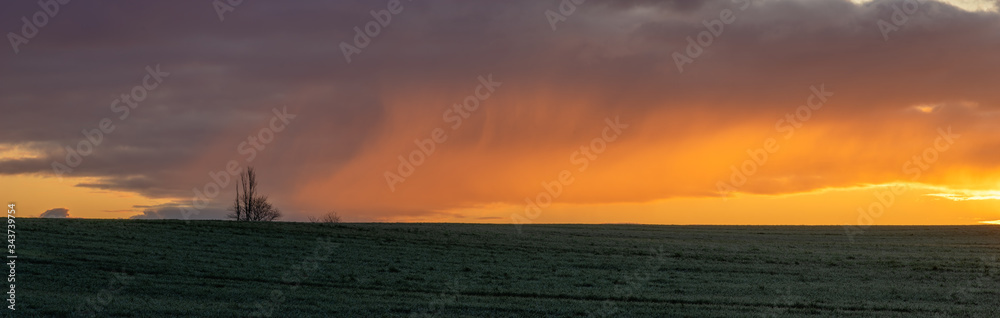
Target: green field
column 117, row 268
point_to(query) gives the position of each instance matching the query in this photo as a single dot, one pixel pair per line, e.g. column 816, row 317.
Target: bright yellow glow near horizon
column 920, row 205
column 34, row 195
column 839, row 206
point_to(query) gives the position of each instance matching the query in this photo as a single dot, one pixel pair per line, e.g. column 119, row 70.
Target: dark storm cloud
column 226, row 76
column 222, row 76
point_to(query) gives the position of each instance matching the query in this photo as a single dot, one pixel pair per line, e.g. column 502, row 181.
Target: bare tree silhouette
column 248, row 205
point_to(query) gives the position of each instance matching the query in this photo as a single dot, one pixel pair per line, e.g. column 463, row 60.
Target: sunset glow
column 797, row 112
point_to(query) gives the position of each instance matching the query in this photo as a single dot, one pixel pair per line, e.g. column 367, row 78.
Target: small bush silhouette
column 329, row 218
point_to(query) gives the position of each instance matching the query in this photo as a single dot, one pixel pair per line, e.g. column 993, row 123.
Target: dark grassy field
column 117, row 268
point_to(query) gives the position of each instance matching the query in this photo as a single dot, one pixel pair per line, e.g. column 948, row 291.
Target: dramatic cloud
column 895, row 78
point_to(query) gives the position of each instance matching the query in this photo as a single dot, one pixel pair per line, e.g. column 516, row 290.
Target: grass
column 118, row 268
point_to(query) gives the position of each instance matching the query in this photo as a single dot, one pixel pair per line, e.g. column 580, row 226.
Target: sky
column 793, row 112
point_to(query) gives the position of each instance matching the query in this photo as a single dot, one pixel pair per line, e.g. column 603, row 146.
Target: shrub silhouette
column 331, row 218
